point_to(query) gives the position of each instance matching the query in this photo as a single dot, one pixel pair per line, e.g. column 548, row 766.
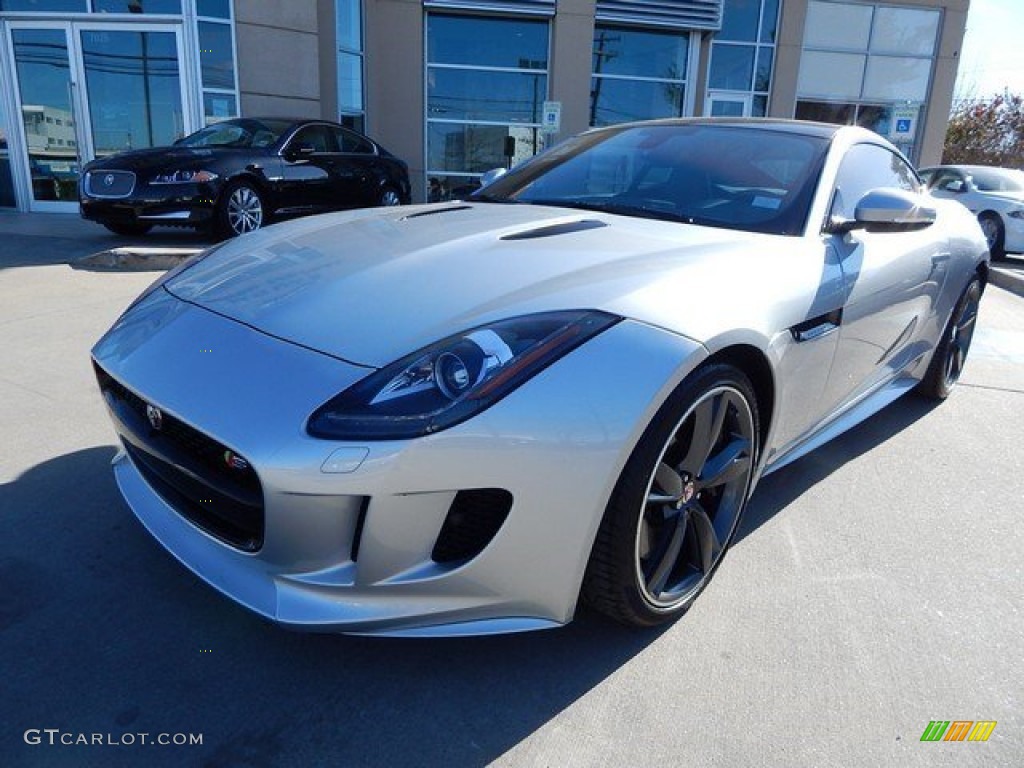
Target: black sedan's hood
column 160, row 158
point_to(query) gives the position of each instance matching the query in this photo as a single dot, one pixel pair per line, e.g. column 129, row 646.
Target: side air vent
column 556, row 229
column 436, row 211
column 473, row 520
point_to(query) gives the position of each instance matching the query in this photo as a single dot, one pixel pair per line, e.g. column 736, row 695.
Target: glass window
column 219, row 106
column 732, row 67
column 467, row 94
column 905, row 31
column 477, row 149
column 349, row 24
column 825, row 112
column 763, row 73
column 355, row 122
column 137, row 6
column 319, row 137
column 640, row 53
column 618, row 101
column 867, row 167
column 217, row 9
column 875, row 118
column 39, row 6
column 833, row 75
column 216, row 55
column 352, row 142
column 739, row 20
column 897, row 78
column 837, row 25
column 350, row 81
column 770, row 21
column 487, row 42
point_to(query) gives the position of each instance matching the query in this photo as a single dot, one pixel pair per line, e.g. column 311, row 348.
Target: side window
column 317, row 136
column 352, row 142
column 867, row 167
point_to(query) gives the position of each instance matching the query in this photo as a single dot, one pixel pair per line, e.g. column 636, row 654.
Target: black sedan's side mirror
column 299, row 150
column 887, row 210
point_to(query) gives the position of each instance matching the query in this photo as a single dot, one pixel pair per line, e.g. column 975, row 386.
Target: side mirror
column 299, row 150
column 492, row 175
column 887, row 210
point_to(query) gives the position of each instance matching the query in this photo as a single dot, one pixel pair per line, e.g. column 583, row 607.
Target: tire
column 951, row 352
column 240, row 210
column 995, row 233
column 388, row 197
column 127, row 228
column 678, row 502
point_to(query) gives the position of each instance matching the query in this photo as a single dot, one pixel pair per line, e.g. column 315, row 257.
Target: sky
column 992, row 58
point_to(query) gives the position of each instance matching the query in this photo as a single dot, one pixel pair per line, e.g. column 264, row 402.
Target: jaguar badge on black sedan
column 235, row 176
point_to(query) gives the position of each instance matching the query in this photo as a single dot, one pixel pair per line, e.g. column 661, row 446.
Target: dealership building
column 454, row 87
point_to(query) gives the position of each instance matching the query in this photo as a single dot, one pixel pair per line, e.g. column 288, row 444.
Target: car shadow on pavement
column 101, row 631
column 775, row 492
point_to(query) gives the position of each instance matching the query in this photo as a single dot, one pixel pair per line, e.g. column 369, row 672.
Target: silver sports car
column 467, row 417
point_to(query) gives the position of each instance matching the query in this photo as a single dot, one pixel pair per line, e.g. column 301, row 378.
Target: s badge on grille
column 156, row 418
column 109, row 179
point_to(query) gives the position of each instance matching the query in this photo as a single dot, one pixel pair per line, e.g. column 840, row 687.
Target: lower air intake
column 473, row 520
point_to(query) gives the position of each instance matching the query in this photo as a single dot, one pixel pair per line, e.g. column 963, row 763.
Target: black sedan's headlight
column 184, row 177
column 454, row 379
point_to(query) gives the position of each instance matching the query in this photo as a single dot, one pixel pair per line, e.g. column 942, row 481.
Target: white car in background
column 994, row 195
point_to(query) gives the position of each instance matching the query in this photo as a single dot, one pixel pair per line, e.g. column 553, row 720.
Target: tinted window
column 319, row 137
column 867, row 167
column 755, row 179
column 475, row 41
column 352, row 142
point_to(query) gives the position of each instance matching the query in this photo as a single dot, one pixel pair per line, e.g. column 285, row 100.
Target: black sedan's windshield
column 751, row 178
column 244, row 133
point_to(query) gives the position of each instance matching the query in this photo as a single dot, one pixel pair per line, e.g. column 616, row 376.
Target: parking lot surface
column 877, row 585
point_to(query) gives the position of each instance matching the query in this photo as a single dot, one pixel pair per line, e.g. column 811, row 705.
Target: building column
column 572, row 42
column 790, row 43
column 940, row 95
column 394, row 67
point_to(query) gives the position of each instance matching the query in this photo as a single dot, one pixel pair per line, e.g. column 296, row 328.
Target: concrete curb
column 136, row 259
column 1008, row 278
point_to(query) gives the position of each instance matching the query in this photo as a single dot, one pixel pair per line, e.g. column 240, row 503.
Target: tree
column 987, row 133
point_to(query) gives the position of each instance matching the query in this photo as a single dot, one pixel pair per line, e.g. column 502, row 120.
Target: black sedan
column 235, row 176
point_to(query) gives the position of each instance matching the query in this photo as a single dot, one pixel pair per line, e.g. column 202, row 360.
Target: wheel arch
column 754, row 363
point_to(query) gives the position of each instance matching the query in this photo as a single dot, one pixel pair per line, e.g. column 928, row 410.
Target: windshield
column 998, row 180
column 755, row 178
column 245, row 133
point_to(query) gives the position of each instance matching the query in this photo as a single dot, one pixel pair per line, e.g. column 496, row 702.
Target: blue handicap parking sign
column 903, row 126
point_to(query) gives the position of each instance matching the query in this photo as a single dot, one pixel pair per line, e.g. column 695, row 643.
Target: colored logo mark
column 958, row 730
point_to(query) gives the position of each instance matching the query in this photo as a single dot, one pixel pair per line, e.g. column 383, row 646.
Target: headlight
column 1017, row 214
column 454, row 379
column 183, row 177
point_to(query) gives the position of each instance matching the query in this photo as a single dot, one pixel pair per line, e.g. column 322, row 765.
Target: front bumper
column 191, row 205
column 349, row 530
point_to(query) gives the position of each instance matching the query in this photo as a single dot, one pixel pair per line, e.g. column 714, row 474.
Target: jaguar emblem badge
column 156, row 418
column 109, row 179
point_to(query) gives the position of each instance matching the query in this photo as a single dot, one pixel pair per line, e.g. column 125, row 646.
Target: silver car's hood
column 372, row 286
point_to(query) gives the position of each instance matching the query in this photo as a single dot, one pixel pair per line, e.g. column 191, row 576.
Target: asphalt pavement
column 877, row 585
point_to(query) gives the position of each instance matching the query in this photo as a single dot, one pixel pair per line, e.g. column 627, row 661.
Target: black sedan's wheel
column 241, row 210
column 678, row 502
column 995, row 233
column 951, row 352
column 389, row 197
column 127, row 228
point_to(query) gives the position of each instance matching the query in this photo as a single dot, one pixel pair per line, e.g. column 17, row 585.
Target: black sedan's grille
column 109, row 183
column 204, row 480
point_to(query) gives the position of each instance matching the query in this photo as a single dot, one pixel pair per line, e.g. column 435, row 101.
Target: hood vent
column 564, row 228
column 435, row 211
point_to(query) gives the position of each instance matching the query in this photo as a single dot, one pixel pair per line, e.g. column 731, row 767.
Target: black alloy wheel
column 678, row 502
column 951, row 352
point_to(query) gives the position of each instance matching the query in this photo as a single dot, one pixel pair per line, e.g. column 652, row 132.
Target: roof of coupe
column 451, row 419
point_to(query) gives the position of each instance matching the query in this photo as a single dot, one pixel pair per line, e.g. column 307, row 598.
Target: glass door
column 727, row 105
column 89, row 90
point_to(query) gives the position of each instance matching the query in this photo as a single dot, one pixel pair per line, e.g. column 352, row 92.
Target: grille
column 473, row 520
column 109, row 183
column 202, row 479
